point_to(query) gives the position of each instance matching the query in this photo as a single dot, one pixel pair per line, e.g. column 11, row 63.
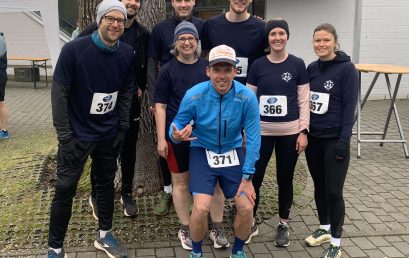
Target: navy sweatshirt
column 338, row 78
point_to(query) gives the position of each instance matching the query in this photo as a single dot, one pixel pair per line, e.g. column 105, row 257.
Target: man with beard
column 91, row 97
column 137, row 36
column 239, row 30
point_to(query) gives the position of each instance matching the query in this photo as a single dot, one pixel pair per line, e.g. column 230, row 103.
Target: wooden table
column 386, row 70
column 40, row 62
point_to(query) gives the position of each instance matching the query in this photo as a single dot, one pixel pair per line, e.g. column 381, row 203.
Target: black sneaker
column 333, row 252
column 283, row 236
column 253, row 233
column 110, row 246
column 93, row 203
column 129, row 206
column 52, row 254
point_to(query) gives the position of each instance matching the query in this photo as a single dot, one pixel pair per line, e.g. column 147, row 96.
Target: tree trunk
column 148, row 179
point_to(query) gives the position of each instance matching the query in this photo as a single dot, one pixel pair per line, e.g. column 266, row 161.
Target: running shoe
column 129, row 206
column 110, row 246
column 318, row 237
column 162, row 207
column 240, row 254
column 52, row 254
column 195, row 255
column 283, row 236
column 333, row 252
column 4, row 135
column 185, row 240
column 218, row 236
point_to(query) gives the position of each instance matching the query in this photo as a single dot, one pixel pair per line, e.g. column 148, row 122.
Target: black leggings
column 328, row 175
column 286, row 159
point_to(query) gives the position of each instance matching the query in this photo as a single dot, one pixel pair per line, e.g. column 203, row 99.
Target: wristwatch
column 305, row 131
column 248, row 177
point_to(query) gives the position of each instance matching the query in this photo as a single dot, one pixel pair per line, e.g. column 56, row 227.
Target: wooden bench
column 36, row 62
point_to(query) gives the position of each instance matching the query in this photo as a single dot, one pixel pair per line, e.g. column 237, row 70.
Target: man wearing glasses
column 136, row 35
column 91, row 98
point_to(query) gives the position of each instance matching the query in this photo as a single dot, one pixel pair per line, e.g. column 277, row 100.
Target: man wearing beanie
column 91, row 97
column 137, row 36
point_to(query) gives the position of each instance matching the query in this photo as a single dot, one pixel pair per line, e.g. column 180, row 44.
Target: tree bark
column 148, row 179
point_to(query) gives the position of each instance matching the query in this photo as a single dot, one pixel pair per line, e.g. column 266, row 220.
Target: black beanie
column 277, row 24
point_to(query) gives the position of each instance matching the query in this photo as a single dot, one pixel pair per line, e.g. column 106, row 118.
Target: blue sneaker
column 52, row 254
column 195, row 255
column 240, row 254
column 4, row 135
column 110, row 246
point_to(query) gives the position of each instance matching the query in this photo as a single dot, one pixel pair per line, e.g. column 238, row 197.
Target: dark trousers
column 286, row 159
column 328, row 175
column 127, row 156
column 104, row 164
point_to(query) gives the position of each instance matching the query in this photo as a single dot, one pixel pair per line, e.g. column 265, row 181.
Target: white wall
column 384, row 32
column 25, row 37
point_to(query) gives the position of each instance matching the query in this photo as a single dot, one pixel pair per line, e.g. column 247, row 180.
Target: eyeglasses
column 183, row 40
column 110, row 20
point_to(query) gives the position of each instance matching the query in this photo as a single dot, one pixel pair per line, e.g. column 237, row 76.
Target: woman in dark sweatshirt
column 333, row 98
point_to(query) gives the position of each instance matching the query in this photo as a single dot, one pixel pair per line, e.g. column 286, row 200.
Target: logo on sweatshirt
column 328, row 85
column 286, row 77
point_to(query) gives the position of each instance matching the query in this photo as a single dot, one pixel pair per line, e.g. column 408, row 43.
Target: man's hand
column 70, row 151
column 302, row 142
column 119, row 141
column 247, row 188
column 184, row 134
column 162, row 148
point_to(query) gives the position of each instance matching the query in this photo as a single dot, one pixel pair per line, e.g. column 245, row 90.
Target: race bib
column 319, row 102
column 103, row 103
column 273, row 105
column 242, row 65
column 227, row 159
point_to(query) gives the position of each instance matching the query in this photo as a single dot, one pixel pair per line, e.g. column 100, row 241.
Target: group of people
column 218, row 121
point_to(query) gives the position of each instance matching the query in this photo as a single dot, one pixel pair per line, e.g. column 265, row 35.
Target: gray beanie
column 185, row 27
column 108, row 5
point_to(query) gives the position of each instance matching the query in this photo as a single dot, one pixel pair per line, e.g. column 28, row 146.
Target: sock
column 197, row 247
column 167, row 188
column 335, row 241
column 5, row 131
column 326, row 227
column 238, row 245
column 285, row 223
column 103, row 233
column 56, row 250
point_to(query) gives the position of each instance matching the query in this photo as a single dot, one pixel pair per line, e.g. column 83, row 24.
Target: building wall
column 384, row 32
column 25, row 37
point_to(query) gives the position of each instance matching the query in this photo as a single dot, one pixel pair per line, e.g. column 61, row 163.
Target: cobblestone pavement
column 376, row 193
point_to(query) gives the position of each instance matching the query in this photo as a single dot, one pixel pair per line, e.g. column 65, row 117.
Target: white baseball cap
column 222, row 54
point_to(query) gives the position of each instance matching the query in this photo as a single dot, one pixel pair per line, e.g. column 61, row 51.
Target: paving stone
column 165, row 252
column 374, row 253
column 353, row 251
column 258, row 248
column 379, row 241
column 391, row 252
column 145, row 252
column 370, row 217
column 299, row 254
column 363, row 243
column 403, row 247
column 281, row 254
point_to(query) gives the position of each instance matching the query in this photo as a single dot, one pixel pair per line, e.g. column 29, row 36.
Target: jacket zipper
column 220, row 123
